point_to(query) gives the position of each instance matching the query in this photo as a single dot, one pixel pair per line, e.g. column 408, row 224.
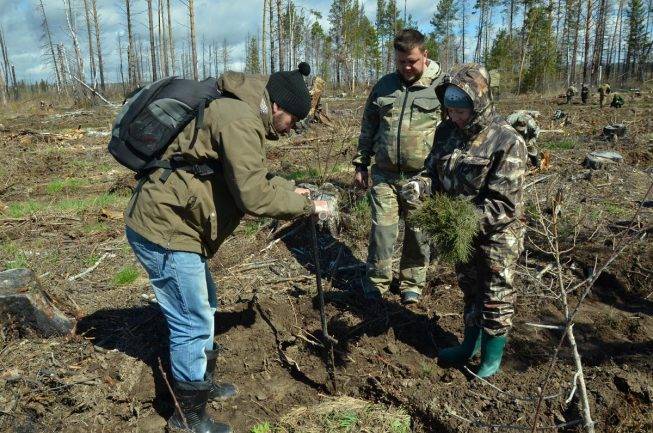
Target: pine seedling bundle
column 451, row 223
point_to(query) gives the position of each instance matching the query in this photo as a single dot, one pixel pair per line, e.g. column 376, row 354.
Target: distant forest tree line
column 536, row 45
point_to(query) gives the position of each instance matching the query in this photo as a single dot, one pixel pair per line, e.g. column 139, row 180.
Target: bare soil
column 61, row 197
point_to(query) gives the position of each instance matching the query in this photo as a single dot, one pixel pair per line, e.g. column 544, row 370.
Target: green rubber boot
column 458, row 355
column 491, row 354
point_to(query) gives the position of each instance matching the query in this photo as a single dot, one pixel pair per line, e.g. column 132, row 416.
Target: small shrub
column 126, row 275
column 565, row 144
column 451, row 223
column 309, row 173
column 263, row 427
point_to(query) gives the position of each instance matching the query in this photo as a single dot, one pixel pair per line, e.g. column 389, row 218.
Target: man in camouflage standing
column 584, row 93
column 397, row 129
column 604, row 91
column 523, row 121
column 570, row 93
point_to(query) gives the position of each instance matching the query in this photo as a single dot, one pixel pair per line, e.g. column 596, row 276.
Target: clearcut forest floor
column 61, row 202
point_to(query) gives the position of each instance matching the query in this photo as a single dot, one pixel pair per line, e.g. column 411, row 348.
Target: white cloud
column 216, row 20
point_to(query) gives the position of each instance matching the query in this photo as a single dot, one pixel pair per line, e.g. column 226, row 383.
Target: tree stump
column 23, row 302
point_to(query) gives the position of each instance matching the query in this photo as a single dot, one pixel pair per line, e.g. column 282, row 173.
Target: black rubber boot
column 192, row 398
column 219, row 390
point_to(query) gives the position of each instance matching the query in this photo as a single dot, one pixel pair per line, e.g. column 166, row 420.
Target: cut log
column 23, row 302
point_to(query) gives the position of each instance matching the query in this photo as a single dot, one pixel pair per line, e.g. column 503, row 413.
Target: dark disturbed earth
column 61, row 197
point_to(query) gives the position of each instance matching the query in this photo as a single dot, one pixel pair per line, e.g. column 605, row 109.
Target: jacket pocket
column 472, row 172
column 425, row 113
column 385, row 104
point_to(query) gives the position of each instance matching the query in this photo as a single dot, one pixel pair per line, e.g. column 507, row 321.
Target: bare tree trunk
column 5, row 60
column 73, row 35
column 131, row 49
column 98, row 45
column 122, row 73
column 264, row 59
column 597, row 58
column 272, row 52
column 193, row 42
column 588, row 22
column 163, row 40
column 46, row 29
column 3, row 90
column 280, row 37
column 152, row 45
column 171, row 41
column 13, row 76
column 204, row 57
column 91, row 53
column 574, row 56
column 63, row 65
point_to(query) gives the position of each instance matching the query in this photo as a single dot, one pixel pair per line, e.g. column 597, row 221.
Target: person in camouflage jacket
column 479, row 156
column 397, row 130
column 524, row 122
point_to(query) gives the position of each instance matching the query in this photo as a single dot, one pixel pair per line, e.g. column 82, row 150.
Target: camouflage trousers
column 487, row 281
column 387, row 209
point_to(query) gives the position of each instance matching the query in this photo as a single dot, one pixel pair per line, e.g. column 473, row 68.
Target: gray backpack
column 151, row 119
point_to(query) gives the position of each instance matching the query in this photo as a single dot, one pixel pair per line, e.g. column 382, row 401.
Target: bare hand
column 361, row 179
column 303, row 191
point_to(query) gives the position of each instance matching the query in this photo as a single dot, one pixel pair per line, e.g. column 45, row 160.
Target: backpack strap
column 177, row 163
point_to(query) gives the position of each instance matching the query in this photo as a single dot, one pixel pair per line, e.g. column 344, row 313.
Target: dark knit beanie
column 288, row 90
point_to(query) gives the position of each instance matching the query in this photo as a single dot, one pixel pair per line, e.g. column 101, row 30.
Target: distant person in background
column 397, row 130
column 584, row 93
column 524, row 122
column 570, row 93
column 617, row 101
column 604, row 91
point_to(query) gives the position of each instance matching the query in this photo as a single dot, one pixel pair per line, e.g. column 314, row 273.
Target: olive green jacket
column 196, row 214
column 399, row 122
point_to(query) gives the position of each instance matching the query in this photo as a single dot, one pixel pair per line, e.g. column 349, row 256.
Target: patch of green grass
column 14, row 257
column 361, row 214
column 24, row 208
column 67, row 185
column 616, row 210
column 126, row 275
column 564, row 144
column 69, row 205
column 309, row 173
column 251, row 227
column 96, row 227
column 400, row 425
column 78, row 205
column 343, row 421
column 426, row 369
column 263, row 427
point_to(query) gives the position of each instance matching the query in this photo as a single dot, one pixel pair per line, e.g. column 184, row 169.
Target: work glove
column 325, row 203
column 415, row 190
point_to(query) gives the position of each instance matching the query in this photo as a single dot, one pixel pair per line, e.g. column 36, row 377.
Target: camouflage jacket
column 604, row 89
column 525, row 124
column 485, row 161
column 399, row 122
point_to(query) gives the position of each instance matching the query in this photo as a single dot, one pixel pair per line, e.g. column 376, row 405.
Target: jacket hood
column 474, row 80
column 430, row 74
column 250, row 88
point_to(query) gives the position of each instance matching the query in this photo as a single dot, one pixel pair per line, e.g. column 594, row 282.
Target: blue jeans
column 186, row 294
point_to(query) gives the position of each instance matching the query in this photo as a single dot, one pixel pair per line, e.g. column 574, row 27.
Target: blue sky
column 215, row 19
